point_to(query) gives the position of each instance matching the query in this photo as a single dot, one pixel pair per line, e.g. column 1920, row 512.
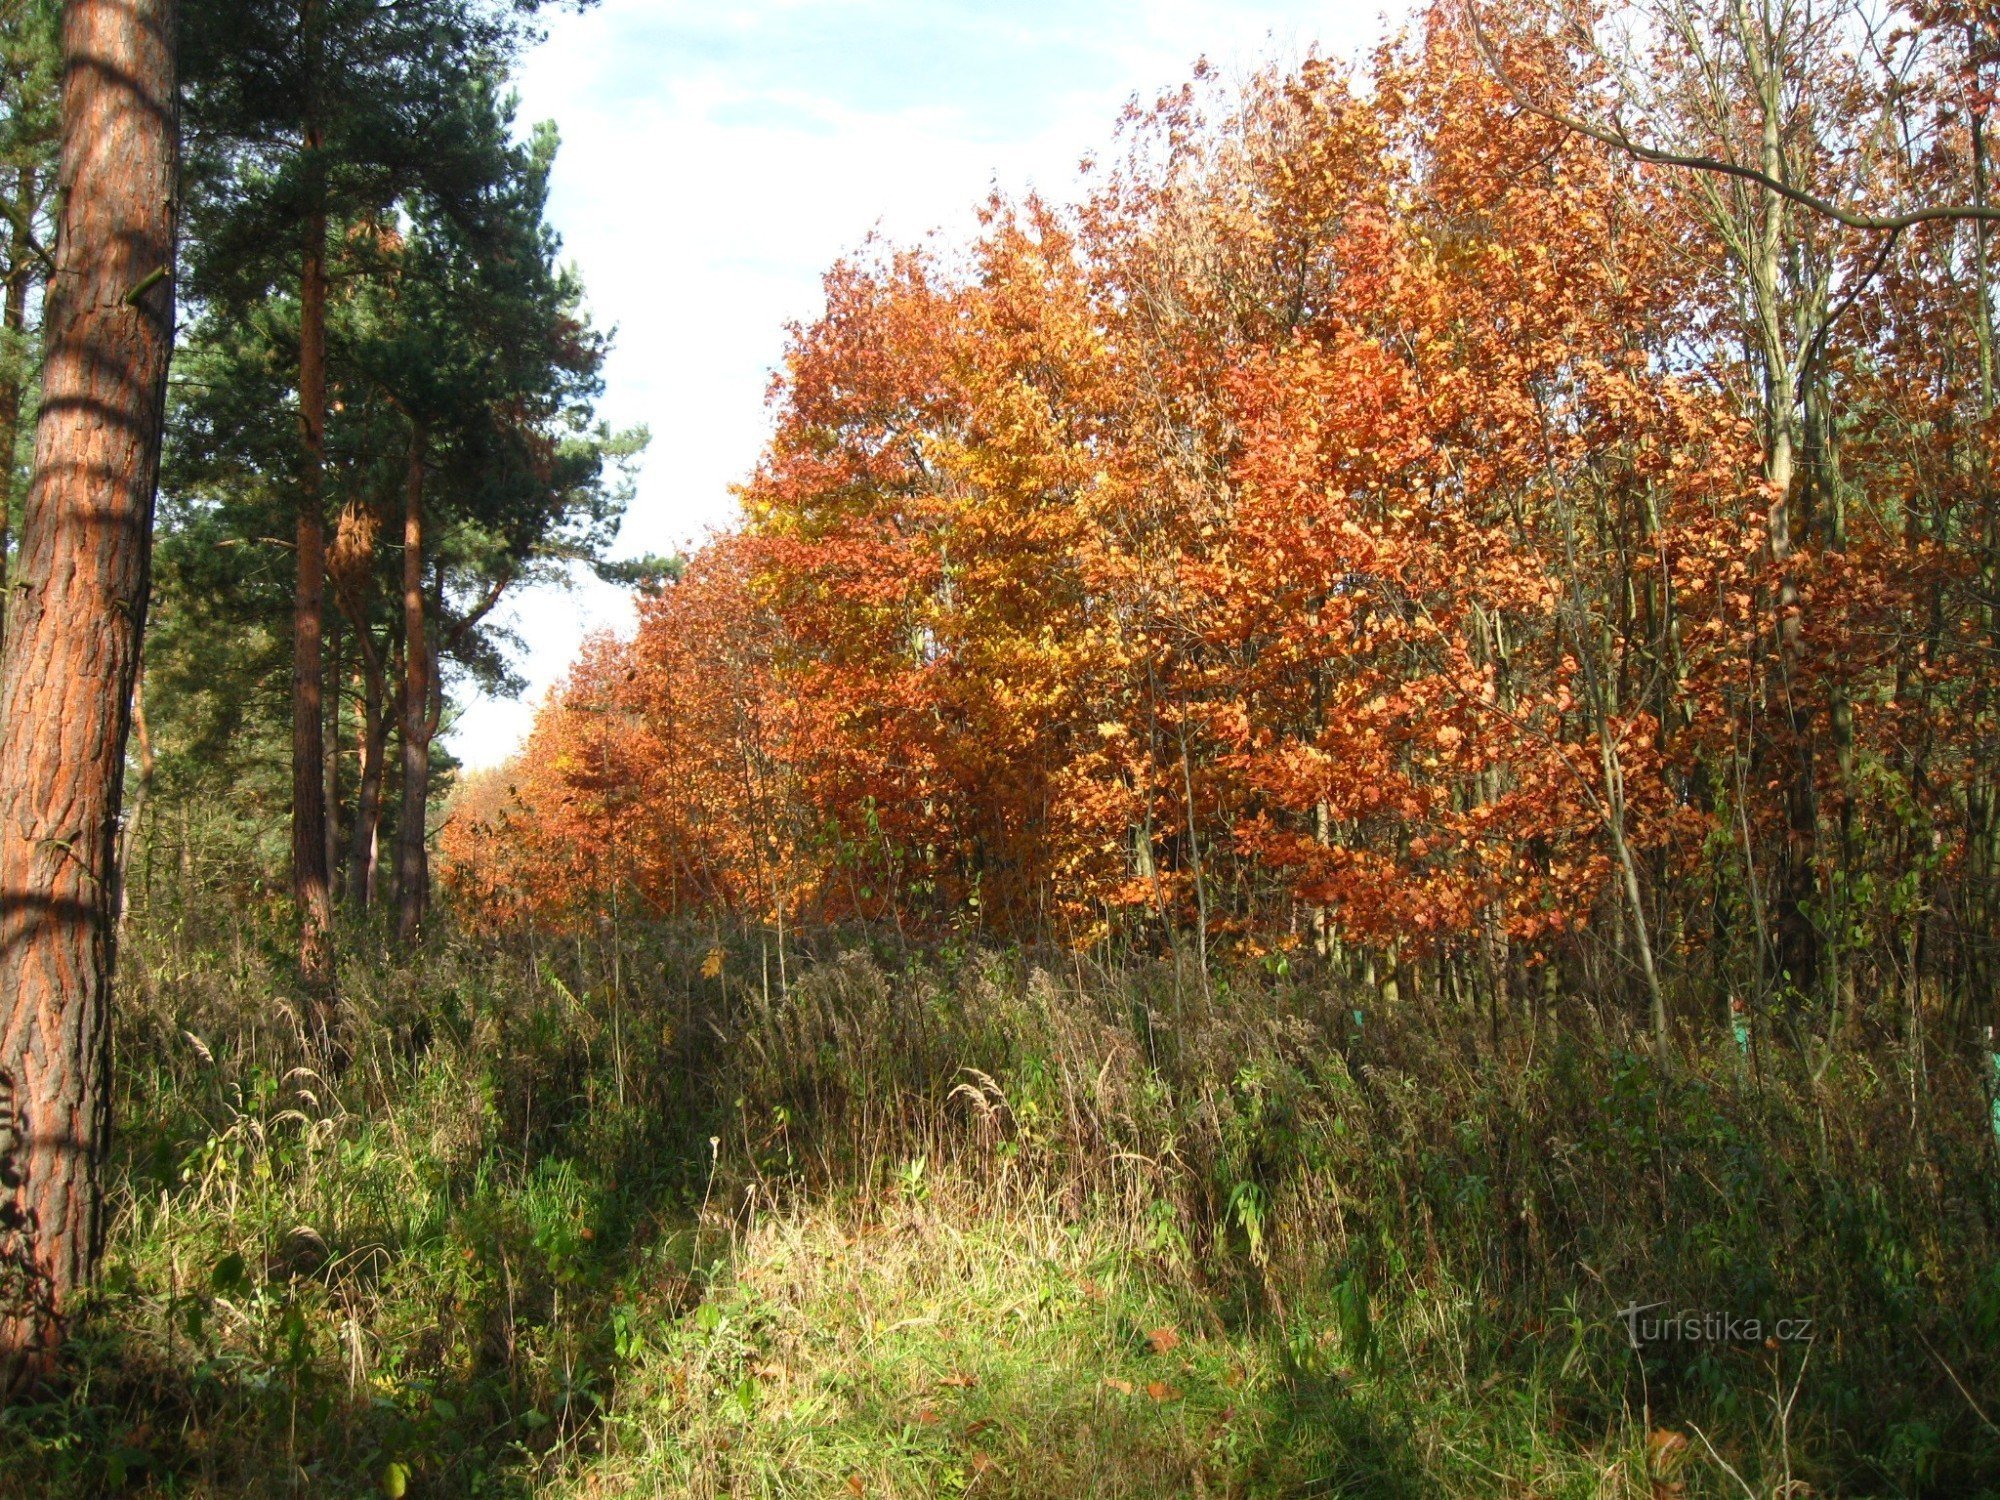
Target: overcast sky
column 719, row 155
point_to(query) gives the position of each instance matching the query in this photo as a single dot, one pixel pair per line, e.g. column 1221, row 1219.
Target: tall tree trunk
column 13, row 371
column 412, row 872
column 1797, row 936
column 372, row 742
column 1983, row 798
column 352, row 571
column 311, row 890
column 68, row 670
column 330, row 751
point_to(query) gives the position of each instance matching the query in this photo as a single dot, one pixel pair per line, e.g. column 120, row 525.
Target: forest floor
column 657, row 1216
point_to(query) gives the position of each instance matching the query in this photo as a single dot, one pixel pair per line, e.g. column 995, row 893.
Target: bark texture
column 72, row 654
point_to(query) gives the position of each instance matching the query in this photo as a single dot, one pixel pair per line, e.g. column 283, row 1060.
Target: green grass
column 954, row 1343
column 941, row 1344
column 548, row 1223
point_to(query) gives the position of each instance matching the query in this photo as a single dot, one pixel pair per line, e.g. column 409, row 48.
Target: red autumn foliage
column 1346, row 526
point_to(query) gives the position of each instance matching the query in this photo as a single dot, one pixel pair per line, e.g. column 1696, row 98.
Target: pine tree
column 306, row 114
column 72, row 657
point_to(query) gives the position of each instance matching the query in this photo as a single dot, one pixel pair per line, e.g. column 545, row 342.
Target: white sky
column 718, row 157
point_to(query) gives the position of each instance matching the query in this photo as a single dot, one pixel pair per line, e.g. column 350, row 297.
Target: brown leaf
column 1666, row 1450
column 960, row 1382
column 1163, row 1340
column 853, row 1484
column 1122, row 1387
column 926, row 1416
column 1159, row 1390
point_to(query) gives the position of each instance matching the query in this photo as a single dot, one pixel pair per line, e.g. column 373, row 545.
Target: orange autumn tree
column 1442, row 471
column 651, row 775
column 1347, row 530
column 923, row 524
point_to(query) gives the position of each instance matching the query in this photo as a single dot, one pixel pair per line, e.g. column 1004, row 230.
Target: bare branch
column 1614, row 136
column 25, row 227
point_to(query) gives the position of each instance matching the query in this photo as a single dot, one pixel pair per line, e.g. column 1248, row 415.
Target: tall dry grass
column 606, row 1216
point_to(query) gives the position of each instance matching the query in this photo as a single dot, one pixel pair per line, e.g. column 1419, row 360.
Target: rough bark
column 412, row 863
column 68, row 671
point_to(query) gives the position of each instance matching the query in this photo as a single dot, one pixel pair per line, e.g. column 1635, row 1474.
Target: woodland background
column 1305, row 775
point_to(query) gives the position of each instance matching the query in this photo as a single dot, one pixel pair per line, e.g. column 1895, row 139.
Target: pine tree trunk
column 67, row 676
column 312, row 891
column 20, row 271
column 412, row 872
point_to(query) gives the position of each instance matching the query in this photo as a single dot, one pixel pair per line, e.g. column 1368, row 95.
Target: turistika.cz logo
column 1645, row 1325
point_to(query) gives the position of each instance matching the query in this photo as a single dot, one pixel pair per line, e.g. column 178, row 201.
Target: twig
column 1723, row 1462
column 1614, row 135
column 1977, row 1411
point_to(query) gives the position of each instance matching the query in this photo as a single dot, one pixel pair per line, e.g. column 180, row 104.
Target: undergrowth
column 654, row 1214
